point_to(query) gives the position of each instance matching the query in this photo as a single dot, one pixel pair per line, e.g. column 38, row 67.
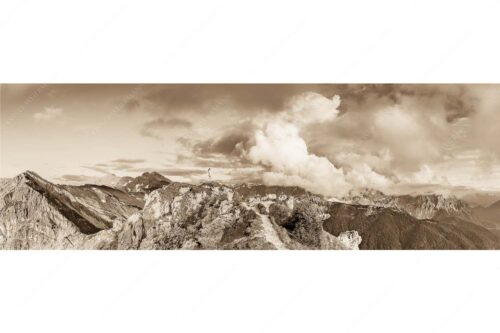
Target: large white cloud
column 280, row 147
column 388, row 140
column 308, row 108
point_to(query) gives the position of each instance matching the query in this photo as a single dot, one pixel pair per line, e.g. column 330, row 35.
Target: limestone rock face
column 36, row 214
column 350, row 239
column 215, row 216
column 423, row 206
column 29, row 221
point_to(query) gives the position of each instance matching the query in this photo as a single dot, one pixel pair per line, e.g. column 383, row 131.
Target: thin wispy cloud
column 48, row 113
column 129, row 160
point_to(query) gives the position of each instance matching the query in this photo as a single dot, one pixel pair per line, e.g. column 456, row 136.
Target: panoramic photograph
column 249, row 166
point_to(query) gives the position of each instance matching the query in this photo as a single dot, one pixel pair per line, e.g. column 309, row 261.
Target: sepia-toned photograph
column 254, row 166
column 250, row 166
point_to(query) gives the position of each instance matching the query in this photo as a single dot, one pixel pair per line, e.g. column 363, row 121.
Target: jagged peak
column 365, row 192
column 29, row 175
column 374, row 193
column 440, row 198
column 153, row 174
column 148, row 181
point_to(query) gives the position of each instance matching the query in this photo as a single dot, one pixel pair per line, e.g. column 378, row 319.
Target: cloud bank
column 155, row 128
column 386, row 136
column 280, row 146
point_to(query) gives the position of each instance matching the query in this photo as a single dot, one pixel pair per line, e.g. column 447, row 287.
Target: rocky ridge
column 386, row 228
column 421, row 206
column 156, row 213
column 36, row 214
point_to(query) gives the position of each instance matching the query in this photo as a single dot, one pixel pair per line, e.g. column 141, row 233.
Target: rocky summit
column 36, row 214
column 153, row 212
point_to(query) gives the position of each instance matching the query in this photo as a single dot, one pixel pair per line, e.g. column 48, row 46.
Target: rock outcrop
column 215, row 216
column 156, row 213
column 36, row 214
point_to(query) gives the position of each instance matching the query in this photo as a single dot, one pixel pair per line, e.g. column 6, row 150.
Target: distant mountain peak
column 153, row 174
column 421, row 206
column 366, row 193
column 152, row 212
column 146, row 183
column 367, row 190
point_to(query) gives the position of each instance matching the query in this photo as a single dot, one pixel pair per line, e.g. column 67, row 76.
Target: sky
column 327, row 138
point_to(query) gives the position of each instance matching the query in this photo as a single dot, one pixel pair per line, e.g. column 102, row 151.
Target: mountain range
column 430, row 206
column 154, row 212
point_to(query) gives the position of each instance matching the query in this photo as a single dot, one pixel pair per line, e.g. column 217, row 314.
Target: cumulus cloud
column 48, row 113
column 330, row 138
column 276, row 143
column 415, row 135
column 394, row 134
column 393, row 130
column 362, row 175
column 280, row 146
column 359, row 135
column 309, row 108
